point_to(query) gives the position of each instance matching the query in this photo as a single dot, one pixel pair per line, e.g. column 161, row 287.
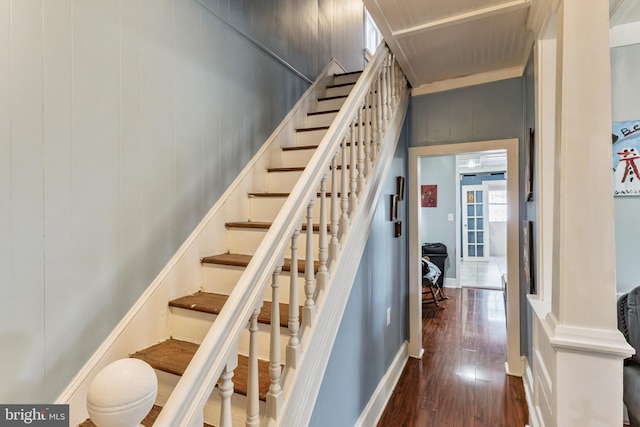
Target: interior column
column 588, row 347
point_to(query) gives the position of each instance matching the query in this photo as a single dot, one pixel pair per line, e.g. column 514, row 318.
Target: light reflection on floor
column 483, row 274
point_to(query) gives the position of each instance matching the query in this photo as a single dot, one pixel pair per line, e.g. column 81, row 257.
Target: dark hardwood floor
column 460, row 381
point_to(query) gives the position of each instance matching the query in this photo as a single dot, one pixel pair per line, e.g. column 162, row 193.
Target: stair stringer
column 149, row 321
column 302, row 385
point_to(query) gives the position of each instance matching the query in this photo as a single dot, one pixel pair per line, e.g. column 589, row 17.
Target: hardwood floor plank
column 460, row 380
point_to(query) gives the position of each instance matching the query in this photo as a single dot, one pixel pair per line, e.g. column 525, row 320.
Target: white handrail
column 184, row 406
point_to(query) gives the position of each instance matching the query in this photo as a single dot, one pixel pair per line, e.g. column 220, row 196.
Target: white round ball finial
column 122, row 394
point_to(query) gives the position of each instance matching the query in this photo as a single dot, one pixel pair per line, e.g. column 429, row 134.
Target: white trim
column 151, row 307
column 472, row 80
column 624, row 35
column 470, row 16
column 513, row 239
column 380, row 397
column 527, row 380
column 301, row 394
column 451, row 282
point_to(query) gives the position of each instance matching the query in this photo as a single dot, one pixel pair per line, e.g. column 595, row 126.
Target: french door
column 475, row 224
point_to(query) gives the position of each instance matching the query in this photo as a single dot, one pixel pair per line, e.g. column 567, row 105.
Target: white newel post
column 588, row 347
column 274, row 395
column 122, row 394
column 353, row 170
column 309, row 310
column 225, row 389
column 253, row 390
column 334, row 244
column 293, row 347
column 344, row 188
column 323, row 252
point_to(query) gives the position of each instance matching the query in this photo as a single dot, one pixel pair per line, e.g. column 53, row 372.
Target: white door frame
column 514, row 364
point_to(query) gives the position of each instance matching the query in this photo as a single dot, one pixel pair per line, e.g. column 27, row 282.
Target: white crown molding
column 624, row 35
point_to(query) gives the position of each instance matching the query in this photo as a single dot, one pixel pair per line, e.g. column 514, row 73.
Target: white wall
column 121, row 123
column 625, row 92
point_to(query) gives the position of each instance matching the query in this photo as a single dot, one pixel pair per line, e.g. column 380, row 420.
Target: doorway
column 514, row 365
column 482, row 207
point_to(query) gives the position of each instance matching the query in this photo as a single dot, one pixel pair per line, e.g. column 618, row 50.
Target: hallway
column 460, row 381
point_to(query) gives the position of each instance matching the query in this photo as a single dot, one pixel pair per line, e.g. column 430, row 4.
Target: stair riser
column 190, row 325
column 316, row 120
column 222, row 279
column 339, row 91
column 330, row 104
column 295, row 158
column 312, row 137
column 349, row 78
column 246, row 241
column 167, row 382
column 266, row 208
column 283, row 182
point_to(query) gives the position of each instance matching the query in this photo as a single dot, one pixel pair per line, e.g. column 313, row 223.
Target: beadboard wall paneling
column 121, row 124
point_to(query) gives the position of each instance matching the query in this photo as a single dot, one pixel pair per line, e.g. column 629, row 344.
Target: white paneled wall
column 121, row 123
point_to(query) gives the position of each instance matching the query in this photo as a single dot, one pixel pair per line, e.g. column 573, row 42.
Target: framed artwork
column 400, row 187
column 529, row 166
column 394, row 207
column 625, row 138
column 527, row 255
column 429, row 196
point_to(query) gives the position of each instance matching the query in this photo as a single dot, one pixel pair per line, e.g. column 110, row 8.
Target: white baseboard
column 450, row 282
column 378, row 402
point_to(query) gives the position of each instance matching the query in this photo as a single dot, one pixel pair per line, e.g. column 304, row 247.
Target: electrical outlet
column 388, row 316
column 450, row 218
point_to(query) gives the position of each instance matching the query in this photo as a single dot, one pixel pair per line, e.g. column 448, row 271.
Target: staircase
column 286, row 267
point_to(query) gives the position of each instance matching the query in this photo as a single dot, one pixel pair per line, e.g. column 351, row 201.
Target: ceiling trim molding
column 463, row 18
column 624, row 35
column 472, row 80
column 383, row 25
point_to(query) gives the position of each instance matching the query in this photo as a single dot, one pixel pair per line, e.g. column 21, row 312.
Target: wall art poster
column 429, row 196
column 626, row 158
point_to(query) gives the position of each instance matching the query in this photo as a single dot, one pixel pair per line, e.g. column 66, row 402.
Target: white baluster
column 374, row 118
column 274, row 395
column 309, row 310
column 385, row 95
column 368, row 137
column 361, row 160
column 225, row 390
column 344, row 192
column 353, row 200
column 334, row 245
column 379, row 111
column 323, row 253
column 253, row 391
column 293, row 348
column 393, row 81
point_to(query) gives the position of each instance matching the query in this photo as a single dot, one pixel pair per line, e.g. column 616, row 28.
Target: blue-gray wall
column 365, row 346
column 121, row 124
column 477, row 113
column 436, row 227
column 625, row 91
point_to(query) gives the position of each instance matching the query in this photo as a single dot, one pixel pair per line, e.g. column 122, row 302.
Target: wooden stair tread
column 148, row 420
column 329, row 98
column 260, row 225
column 268, row 195
column 242, row 260
column 289, row 169
column 207, row 302
column 311, row 129
column 341, row 85
column 299, row 147
column 173, row 356
column 317, row 113
column 348, row 73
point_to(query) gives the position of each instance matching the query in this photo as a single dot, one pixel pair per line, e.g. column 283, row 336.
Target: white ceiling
column 444, row 44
